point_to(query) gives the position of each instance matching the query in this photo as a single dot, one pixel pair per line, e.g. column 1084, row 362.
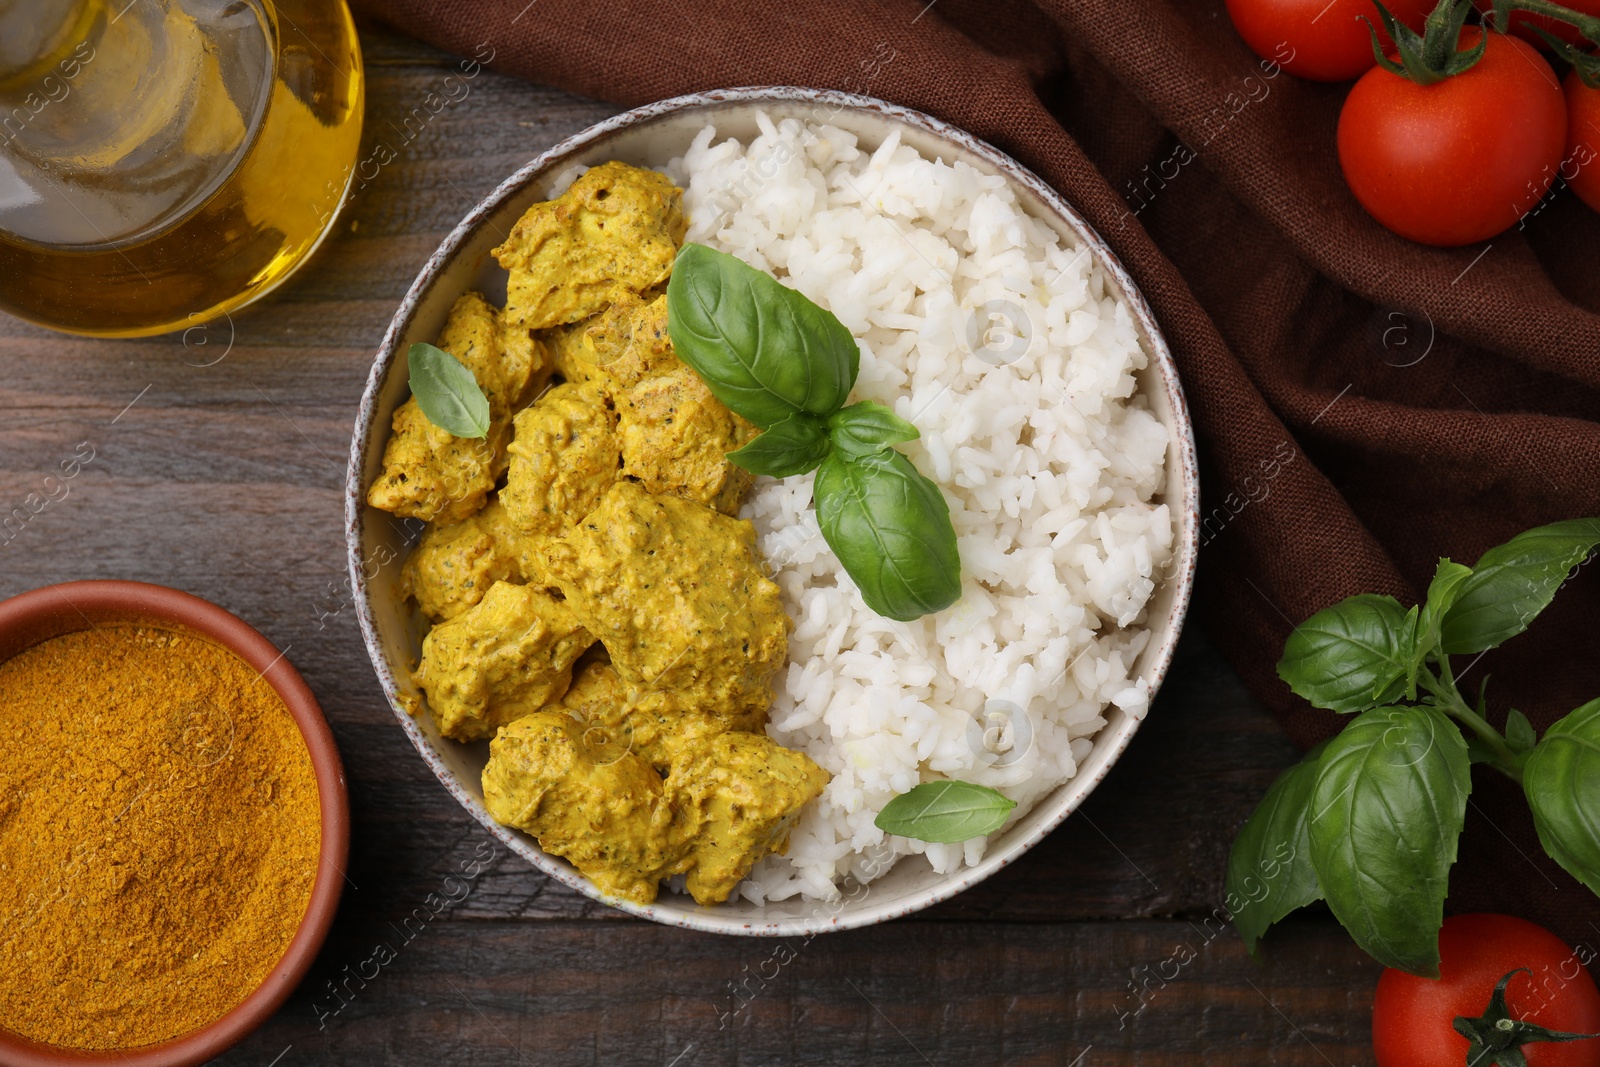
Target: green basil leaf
column 891, row 529
column 1513, row 583
column 945, row 812
column 793, row 446
column 868, row 427
column 1447, row 578
column 1520, row 734
column 1559, row 779
column 1478, row 751
column 1352, row 656
column 447, row 392
column 1270, row 872
column 1387, row 810
column 762, row 348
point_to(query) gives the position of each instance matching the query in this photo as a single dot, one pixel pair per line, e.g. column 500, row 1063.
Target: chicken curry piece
column 628, row 341
column 676, row 593
column 454, row 565
column 675, row 440
column 568, row 356
column 736, row 797
column 597, row 611
column 564, row 457
column 668, row 432
column 728, row 802
column 658, row 724
column 429, row 473
column 507, row 656
column 615, row 231
column 607, row 817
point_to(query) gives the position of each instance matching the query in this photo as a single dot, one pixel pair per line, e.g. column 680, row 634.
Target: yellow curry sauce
column 598, row 613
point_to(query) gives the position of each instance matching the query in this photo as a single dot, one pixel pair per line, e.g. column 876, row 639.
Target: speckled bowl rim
column 29, row 618
column 1183, row 493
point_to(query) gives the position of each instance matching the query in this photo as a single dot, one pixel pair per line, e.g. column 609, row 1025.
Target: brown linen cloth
column 1434, row 402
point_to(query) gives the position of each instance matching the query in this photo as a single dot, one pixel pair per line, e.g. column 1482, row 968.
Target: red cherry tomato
column 1326, row 42
column 1581, row 167
column 1522, row 23
column 1458, row 161
column 1412, row 1018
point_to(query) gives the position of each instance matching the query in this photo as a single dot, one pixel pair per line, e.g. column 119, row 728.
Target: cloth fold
column 1364, row 405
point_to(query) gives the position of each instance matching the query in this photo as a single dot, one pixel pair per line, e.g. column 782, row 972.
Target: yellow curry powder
column 159, row 834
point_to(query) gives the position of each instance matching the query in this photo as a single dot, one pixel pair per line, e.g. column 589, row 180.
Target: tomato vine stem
column 1435, row 54
column 1588, row 25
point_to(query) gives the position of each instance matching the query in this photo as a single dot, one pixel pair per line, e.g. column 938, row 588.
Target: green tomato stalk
column 1588, row 25
column 1496, row 1037
column 1586, row 64
column 1435, row 54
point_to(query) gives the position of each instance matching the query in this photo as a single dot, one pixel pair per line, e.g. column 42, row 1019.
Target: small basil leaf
column 1478, row 751
column 945, row 812
column 1520, row 734
column 793, row 446
column 1351, row 656
column 1447, row 578
column 762, row 348
column 1559, row 779
column 868, row 427
column 1387, row 810
column 447, row 392
column 1402, row 685
column 890, row 528
column 1513, row 583
column 1269, row 870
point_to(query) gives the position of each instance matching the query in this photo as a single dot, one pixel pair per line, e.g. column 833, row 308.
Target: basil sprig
column 763, row 349
column 890, row 527
column 447, row 392
column 788, row 365
column 1369, row 821
column 945, row 812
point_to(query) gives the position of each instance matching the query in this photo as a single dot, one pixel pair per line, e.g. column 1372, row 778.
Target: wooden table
column 225, row 481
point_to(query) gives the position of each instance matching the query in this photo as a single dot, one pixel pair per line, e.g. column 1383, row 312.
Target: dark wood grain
column 224, row 480
column 509, row 993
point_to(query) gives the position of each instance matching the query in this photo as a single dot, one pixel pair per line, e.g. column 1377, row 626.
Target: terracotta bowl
column 31, row 618
column 650, row 136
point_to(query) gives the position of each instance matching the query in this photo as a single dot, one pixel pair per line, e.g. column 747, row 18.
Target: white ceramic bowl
column 650, row 136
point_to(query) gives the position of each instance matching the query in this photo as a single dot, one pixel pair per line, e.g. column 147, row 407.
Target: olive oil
column 163, row 162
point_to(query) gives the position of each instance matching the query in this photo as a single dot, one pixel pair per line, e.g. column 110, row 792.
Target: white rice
column 1049, row 458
